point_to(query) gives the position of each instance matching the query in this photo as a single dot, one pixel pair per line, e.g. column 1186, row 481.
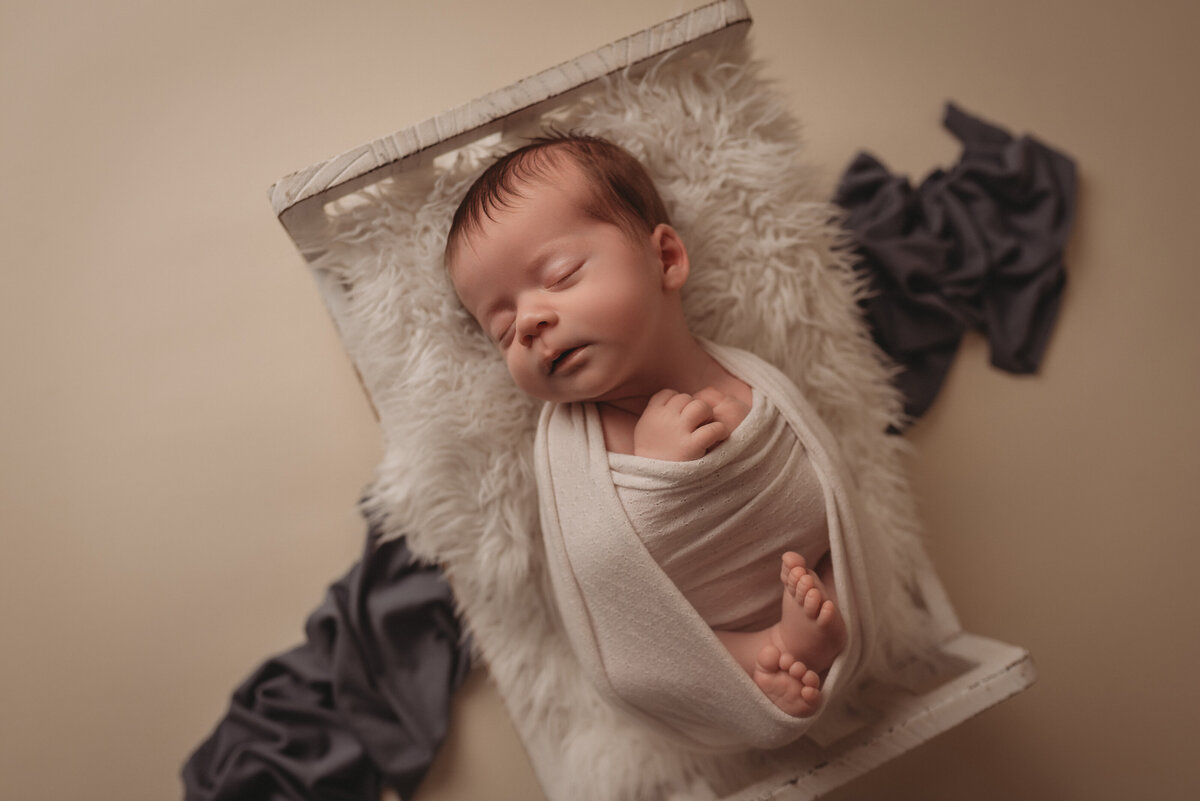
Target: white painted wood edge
column 621, row 54
column 1000, row 672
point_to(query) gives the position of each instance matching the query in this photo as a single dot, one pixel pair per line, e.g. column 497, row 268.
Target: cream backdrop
column 183, row 440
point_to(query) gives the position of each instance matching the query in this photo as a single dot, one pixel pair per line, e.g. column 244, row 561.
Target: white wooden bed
column 974, row 672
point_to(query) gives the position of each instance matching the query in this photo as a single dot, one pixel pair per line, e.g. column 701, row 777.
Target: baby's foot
column 789, row 684
column 811, row 628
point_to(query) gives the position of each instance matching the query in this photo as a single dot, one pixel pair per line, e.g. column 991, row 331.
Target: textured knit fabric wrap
column 717, row 525
column 638, row 639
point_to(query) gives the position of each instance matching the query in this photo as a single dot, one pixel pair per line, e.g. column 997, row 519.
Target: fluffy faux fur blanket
column 457, row 475
column 636, row 636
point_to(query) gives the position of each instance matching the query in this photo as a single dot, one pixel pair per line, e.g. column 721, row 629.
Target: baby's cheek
column 514, row 370
column 626, row 314
column 525, row 377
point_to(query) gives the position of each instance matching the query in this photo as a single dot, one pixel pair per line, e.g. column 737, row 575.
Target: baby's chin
column 586, row 386
column 562, row 395
column 552, row 391
column 539, row 391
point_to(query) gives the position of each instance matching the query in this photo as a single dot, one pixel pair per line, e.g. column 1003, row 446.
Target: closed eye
column 503, row 330
column 563, row 279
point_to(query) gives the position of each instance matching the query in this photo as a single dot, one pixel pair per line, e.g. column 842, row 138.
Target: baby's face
column 572, row 302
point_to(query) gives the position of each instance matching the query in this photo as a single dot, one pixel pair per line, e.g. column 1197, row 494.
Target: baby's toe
column 813, row 601
column 791, row 560
column 768, row 659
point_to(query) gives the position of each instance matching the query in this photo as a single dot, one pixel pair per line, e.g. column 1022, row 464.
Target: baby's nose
column 531, row 323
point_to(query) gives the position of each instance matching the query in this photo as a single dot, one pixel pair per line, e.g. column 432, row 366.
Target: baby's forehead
column 562, row 185
column 557, row 171
column 555, row 179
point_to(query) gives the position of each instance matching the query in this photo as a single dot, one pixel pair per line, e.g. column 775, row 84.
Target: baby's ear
column 672, row 256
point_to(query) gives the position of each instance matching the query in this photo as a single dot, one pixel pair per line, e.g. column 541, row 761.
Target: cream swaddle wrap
column 718, row 524
column 634, row 632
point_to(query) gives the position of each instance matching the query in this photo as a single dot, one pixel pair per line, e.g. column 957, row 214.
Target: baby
column 563, row 252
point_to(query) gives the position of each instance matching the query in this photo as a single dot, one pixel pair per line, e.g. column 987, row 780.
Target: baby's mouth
column 560, row 358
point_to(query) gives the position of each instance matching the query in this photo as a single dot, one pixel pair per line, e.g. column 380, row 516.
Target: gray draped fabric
column 976, row 246
column 363, row 702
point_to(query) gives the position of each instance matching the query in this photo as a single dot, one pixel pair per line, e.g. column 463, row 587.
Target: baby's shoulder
column 618, row 426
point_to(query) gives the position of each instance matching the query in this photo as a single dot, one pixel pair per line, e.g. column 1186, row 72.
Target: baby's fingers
column 709, row 435
column 712, row 396
column 674, row 401
column 695, row 413
column 664, row 397
column 726, row 408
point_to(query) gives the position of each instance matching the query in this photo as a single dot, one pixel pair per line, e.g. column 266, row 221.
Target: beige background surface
column 182, row 440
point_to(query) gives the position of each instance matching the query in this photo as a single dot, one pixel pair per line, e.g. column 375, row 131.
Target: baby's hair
column 621, row 190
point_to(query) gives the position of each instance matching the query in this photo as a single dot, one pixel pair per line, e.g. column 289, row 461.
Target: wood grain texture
column 664, row 37
column 996, row 671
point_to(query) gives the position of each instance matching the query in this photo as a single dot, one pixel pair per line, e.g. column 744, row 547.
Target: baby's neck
column 689, row 372
column 687, row 367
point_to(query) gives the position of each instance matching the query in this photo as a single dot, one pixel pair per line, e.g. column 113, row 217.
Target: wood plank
column 998, row 671
column 680, row 31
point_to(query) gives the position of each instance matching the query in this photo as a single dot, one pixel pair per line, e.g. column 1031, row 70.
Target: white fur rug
column 457, row 477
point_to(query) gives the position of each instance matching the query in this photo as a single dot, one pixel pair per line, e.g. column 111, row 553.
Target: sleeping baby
column 659, row 454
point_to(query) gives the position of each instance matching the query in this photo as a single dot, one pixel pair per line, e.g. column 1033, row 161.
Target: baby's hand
column 678, row 427
column 726, row 408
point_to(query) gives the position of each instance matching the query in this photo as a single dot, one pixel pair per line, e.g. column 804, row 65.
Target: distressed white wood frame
column 976, row 673
column 413, row 146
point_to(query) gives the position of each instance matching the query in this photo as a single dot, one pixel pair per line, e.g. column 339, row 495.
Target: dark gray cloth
column 979, row 246
column 364, row 701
